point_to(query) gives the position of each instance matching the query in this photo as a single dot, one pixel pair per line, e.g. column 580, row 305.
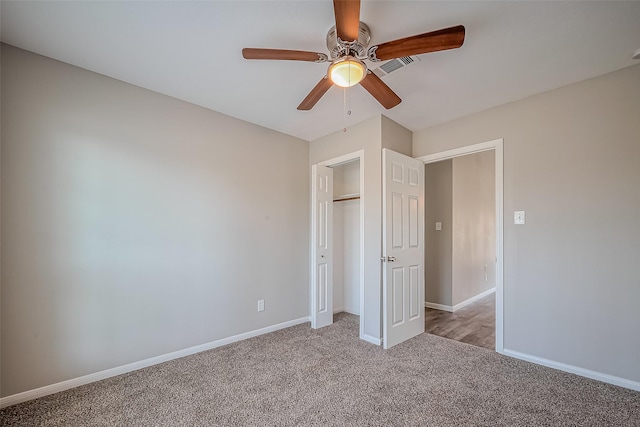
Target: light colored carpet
column 302, row 377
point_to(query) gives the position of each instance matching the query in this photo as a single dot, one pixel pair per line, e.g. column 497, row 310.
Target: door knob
column 391, row 259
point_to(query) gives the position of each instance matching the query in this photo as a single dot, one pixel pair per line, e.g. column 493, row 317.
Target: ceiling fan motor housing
column 358, row 48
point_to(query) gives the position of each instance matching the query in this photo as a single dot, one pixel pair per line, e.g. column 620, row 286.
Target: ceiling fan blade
column 316, row 93
column 347, row 13
column 447, row 38
column 282, row 54
column 380, row 91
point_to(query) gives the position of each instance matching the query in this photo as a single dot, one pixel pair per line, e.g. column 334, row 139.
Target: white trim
column 499, row 178
column 345, row 310
column 497, row 145
column 462, row 151
column 372, row 340
column 436, row 306
column 98, row 376
column 362, row 310
column 338, row 161
column 341, row 160
column 473, row 299
column 599, row 376
column 458, row 306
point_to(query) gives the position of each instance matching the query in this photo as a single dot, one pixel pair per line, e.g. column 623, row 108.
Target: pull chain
column 347, row 108
column 347, row 102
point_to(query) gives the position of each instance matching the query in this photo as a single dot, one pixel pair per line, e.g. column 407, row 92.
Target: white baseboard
column 86, row 379
column 606, row 378
column 370, row 339
column 474, row 299
column 459, row 305
column 438, row 306
column 345, row 310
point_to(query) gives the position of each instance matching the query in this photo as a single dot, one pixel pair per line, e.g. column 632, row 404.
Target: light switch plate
column 518, row 217
column 438, row 226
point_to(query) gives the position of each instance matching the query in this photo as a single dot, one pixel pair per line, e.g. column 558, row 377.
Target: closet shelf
column 345, row 197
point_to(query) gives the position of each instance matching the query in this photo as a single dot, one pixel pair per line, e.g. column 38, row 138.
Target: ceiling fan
column 348, row 44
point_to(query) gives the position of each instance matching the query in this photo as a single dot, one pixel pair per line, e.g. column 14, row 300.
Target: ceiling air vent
column 395, row 64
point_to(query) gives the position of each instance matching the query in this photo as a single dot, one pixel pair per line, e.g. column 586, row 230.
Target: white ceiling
column 191, row 50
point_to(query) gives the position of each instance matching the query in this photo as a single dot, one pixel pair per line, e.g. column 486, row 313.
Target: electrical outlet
column 260, row 305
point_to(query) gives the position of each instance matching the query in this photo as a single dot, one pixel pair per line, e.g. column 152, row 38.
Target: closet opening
column 337, row 244
column 347, row 238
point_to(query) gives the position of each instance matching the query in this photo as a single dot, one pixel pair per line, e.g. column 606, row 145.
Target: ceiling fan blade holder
column 445, row 39
column 283, row 54
column 316, row 93
column 380, row 91
column 347, row 14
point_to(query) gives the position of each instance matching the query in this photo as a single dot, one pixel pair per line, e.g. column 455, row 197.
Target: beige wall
column 460, row 194
column 134, row 224
column 396, row 137
column 474, row 225
column 571, row 273
column 346, row 179
column 438, row 207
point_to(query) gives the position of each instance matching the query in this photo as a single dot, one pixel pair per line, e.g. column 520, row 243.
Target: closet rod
column 344, row 199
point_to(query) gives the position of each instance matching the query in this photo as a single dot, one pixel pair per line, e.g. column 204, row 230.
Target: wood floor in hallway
column 474, row 324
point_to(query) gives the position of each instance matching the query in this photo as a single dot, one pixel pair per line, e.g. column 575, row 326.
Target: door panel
column 322, row 246
column 398, row 296
column 414, row 230
column 322, row 288
column 403, row 242
column 322, row 224
column 396, row 220
column 414, row 294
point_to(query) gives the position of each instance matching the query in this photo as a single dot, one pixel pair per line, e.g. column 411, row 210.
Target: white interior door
column 403, row 243
column 321, row 246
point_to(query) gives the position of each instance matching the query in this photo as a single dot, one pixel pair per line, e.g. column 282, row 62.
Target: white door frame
column 497, row 146
column 337, row 161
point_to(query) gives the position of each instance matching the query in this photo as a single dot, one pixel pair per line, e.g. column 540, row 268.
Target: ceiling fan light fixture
column 347, row 71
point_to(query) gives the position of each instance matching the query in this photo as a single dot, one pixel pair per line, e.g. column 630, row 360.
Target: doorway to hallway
column 463, row 245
